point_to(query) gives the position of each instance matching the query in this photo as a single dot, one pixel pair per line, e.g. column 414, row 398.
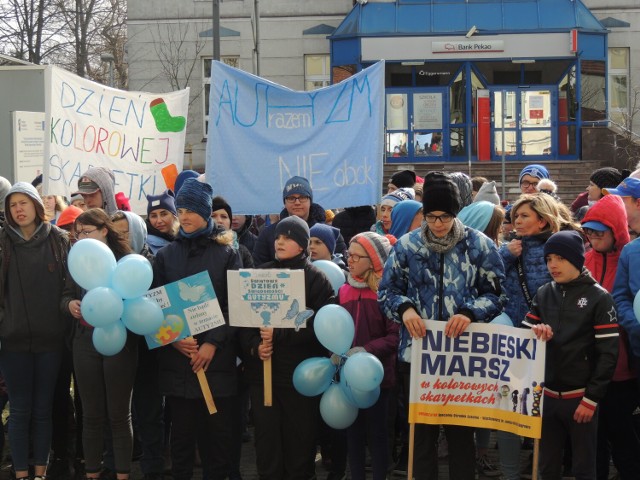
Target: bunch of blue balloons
column 346, row 385
column 114, row 300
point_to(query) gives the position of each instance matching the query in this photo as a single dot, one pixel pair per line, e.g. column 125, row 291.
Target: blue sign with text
column 261, row 134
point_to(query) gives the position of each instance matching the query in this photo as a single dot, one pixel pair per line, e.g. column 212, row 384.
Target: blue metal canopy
column 456, row 17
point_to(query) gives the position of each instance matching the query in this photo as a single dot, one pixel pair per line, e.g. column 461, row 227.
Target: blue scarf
column 204, row 231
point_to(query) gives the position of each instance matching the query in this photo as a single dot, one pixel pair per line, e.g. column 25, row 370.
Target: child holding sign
column 376, row 334
column 577, row 317
column 200, row 245
column 286, row 432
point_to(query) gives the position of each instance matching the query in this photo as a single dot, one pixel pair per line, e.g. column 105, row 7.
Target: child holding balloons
column 285, row 433
column 376, row 334
column 105, row 382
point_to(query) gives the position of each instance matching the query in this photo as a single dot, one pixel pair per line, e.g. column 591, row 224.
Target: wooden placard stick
column 204, row 386
column 268, row 388
column 412, row 436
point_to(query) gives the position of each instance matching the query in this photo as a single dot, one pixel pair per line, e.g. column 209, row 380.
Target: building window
column 316, row 71
column 232, row 61
column 619, row 85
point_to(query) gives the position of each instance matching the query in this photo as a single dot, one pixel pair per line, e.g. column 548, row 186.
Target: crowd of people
column 444, row 247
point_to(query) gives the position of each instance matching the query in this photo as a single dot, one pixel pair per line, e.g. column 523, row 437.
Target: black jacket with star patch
column 584, row 348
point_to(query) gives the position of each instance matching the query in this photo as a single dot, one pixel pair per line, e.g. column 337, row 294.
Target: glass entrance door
column 523, row 123
column 416, row 125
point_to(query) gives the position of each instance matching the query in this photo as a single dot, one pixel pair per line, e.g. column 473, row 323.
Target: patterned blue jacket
column 535, row 273
column 466, row 279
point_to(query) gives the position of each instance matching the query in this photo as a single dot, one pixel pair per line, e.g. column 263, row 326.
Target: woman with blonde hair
column 53, row 206
column 535, row 218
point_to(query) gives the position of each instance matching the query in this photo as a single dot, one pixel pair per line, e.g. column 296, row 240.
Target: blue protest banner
column 261, row 134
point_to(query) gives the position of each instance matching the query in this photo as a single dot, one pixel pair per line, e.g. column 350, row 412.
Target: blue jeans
column 509, row 445
column 31, row 380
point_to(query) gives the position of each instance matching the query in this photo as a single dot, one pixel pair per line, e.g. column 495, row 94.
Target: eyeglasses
column 85, row 233
column 355, row 258
column 527, row 184
column 444, row 218
column 589, row 232
column 299, row 199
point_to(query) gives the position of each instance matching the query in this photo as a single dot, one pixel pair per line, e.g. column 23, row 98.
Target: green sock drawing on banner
column 165, row 122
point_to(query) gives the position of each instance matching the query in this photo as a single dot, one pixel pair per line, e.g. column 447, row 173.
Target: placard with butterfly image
column 267, row 298
column 190, row 306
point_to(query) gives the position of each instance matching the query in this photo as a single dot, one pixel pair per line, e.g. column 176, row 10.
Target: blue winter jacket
column 625, row 289
column 466, row 279
column 535, row 273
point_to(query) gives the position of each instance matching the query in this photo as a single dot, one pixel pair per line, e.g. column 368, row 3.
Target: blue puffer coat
column 466, row 279
column 535, row 271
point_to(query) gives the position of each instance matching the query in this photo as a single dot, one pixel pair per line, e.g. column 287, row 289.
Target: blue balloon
column 636, row 306
column 313, row 376
column 334, row 328
column 101, row 306
column 110, row 340
column 336, row 410
column 91, row 263
column 132, row 276
column 363, row 371
column 359, row 398
column 502, row 319
column 333, row 272
column 142, row 315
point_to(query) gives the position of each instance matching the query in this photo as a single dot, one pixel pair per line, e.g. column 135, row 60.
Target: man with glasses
column 530, row 176
column 447, row 272
column 297, row 196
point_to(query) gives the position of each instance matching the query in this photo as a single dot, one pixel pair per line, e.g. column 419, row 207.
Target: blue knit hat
column 328, row 234
column 535, row 170
column 477, row 215
column 402, row 215
column 182, row 176
column 195, row 196
column 297, row 186
column 164, row 201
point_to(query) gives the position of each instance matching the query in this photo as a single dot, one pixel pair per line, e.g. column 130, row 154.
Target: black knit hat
column 195, row 196
column 440, row 194
column 405, row 178
column 607, row 177
column 296, row 229
column 569, row 245
column 219, row 203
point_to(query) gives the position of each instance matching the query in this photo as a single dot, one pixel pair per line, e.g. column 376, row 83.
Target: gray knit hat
column 5, row 186
column 103, row 179
column 488, row 193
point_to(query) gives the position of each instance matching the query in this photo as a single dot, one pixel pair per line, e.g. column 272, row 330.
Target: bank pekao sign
column 472, row 46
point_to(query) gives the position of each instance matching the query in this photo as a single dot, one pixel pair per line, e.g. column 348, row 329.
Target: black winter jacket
column 181, row 258
column 33, row 275
column 289, row 347
column 584, row 348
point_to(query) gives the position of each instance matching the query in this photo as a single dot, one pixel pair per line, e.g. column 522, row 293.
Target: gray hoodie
column 105, row 179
